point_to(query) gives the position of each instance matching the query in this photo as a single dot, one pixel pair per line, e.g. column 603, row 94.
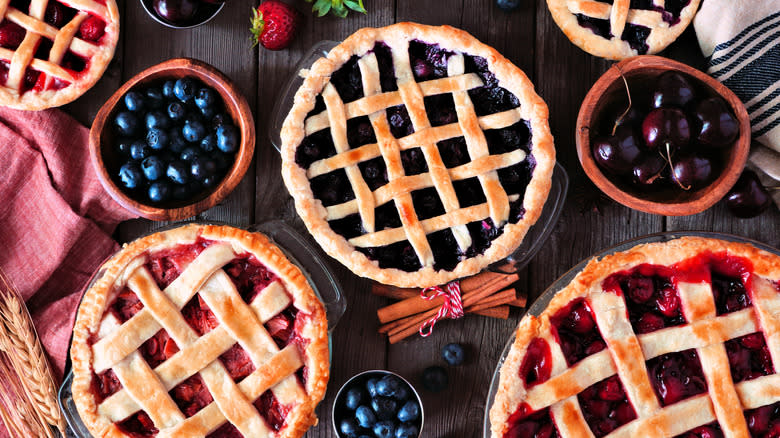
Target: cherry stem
column 619, row 120
column 669, row 160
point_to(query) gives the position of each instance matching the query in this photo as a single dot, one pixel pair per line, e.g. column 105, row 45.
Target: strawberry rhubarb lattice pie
column 200, row 331
column 52, row 51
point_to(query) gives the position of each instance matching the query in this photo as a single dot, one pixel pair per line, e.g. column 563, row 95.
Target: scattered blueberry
column 410, row 411
column 134, row 101
column 176, row 111
column 206, row 97
column 453, row 354
column 154, row 98
column 508, row 5
column 365, row 417
column 371, row 387
column 388, row 385
column 153, row 168
column 208, row 143
column 348, row 427
column 384, row 407
column 353, row 398
column 140, row 150
column 159, row 191
column 435, row 379
column 126, row 123
column 406, row 430
column 130, row 175
column 184, row 89
column 227, row 138
column 193, row 131
column 178, row 172
column 157, row 138
column 189, row 153
column 384, row 429
column 156, row 119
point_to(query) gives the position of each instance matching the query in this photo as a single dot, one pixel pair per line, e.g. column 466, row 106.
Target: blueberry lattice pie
column 617, row 29
column 200, row 331
column 416, row 154
column 677, row 339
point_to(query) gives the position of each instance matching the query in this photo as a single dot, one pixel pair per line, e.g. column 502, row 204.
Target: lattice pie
column 200, row 331
column 416, row 154
column 675, row 339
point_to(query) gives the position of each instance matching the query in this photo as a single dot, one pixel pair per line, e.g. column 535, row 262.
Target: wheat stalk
column 35, row 389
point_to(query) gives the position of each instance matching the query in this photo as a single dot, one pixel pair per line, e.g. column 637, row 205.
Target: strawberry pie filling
column 526, row 424
column 250, row 277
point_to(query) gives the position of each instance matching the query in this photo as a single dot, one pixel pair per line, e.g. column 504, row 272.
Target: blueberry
column 153, row 168
column 176, row 111
column 157, row 138
column 193, row 130
column 184, row 89
column 371, row 387
column 178, row 172
column 167, row 89
column 435, row 379
column 188, row 153
column 508, row 5
column 205, row 98
column 140, row 150
column 154, row 98
column 208, row 112
column 219, row 119
column 384, row 407
column 210, row 181
column 402, row 393
column 124, row 146
column 134, row 101
column 406, row 430
column 224, row 162
column 388, row 385
column 156, row 119
column 348, row 427
column 126, row 123
column 176, row 142
column 384, row 429
column 353, row 398
column 200, row 168
column 409, row 411
column 209, row 143
column 130, row 175
column 181, row 192
column 159, row 191
column 227, row 138
column 453, row 354
column 365, row 417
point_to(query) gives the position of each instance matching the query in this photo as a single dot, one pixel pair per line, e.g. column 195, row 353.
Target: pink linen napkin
column 55, row 219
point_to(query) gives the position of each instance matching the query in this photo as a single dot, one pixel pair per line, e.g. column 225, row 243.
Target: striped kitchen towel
column 741, row 40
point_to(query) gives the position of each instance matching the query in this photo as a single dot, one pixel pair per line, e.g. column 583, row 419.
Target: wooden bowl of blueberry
column 173, row 141
column 661, row 137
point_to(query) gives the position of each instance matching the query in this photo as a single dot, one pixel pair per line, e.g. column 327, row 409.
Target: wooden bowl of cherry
column 105, row 155
column 610, row 90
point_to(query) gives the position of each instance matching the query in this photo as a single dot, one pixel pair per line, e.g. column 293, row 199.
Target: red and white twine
column 451, row 308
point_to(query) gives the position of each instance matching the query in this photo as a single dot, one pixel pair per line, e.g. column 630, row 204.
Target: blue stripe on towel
column 747, row 30
column 766, row 114
column 728, row 55
column 748, row 54
column 764, row 101
column 767, row 128
column 755, row 77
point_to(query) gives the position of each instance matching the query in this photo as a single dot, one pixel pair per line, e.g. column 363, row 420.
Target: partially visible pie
column 52, row 51
column 675, row 339
column 617, row 29
column 416, row 154
column 200, row 331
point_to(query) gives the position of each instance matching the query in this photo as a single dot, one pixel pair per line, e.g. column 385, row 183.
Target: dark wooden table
column 528, row 37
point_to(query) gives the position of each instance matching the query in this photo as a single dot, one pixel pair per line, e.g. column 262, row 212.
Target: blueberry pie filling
column 420, row 155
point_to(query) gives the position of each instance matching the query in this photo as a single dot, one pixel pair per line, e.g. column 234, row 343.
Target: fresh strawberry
column 92, row 29
column 274, row 24
column 11, row 34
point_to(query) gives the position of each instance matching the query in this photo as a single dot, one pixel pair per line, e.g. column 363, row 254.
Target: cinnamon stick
column 396, row 293
column 501, row 298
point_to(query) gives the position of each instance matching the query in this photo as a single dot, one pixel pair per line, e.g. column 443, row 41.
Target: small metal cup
column 203, row 16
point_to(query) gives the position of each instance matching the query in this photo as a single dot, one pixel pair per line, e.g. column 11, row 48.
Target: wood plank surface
column 528, row 37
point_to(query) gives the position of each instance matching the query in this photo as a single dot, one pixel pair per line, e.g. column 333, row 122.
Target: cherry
column 668, row 302
column 580, row 320
column 666, row 128
column 748, row 198
column 649, row 322
column 672, row 89
column 618, row 153
column 640, row 289
column 176, row 11
column 648, row 170
column 692, row 172
column 718, row 127
column 758, row 419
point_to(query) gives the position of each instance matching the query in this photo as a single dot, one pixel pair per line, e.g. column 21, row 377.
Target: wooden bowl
column 609, row 91
column 105, row 156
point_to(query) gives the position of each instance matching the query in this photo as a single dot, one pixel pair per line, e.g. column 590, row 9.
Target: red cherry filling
column 523, row 424
column 125, row 305
column 676, row 376
column 227, row 430
column 605, row 406
column 537, row 363
column 199, row 316
column 138, row 425
column 730, row 293
column 105, row 384
column 166, row 265
column 272, row 411
column 764, row 422
column 249, row 276
column 711, row 430
column 158, row 348
column 749, row 357
column 11, row 34
column 191, row 395
column 652, row 300
column 92, row 29
column 237, row 363
column 576, row 331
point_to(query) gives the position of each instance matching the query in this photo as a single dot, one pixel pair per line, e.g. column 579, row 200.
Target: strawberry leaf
column 321, row 7
column 339, row 8
column 355, row 5
column 258, row 24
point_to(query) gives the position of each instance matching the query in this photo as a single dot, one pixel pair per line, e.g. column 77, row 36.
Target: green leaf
column 339, row 10
column 321, row 7
column 355, row 5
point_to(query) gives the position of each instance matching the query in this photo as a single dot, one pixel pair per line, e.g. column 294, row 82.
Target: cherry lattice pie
column 200, row 331
column 416, row 154
column 675, row 339
column 52, row 51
